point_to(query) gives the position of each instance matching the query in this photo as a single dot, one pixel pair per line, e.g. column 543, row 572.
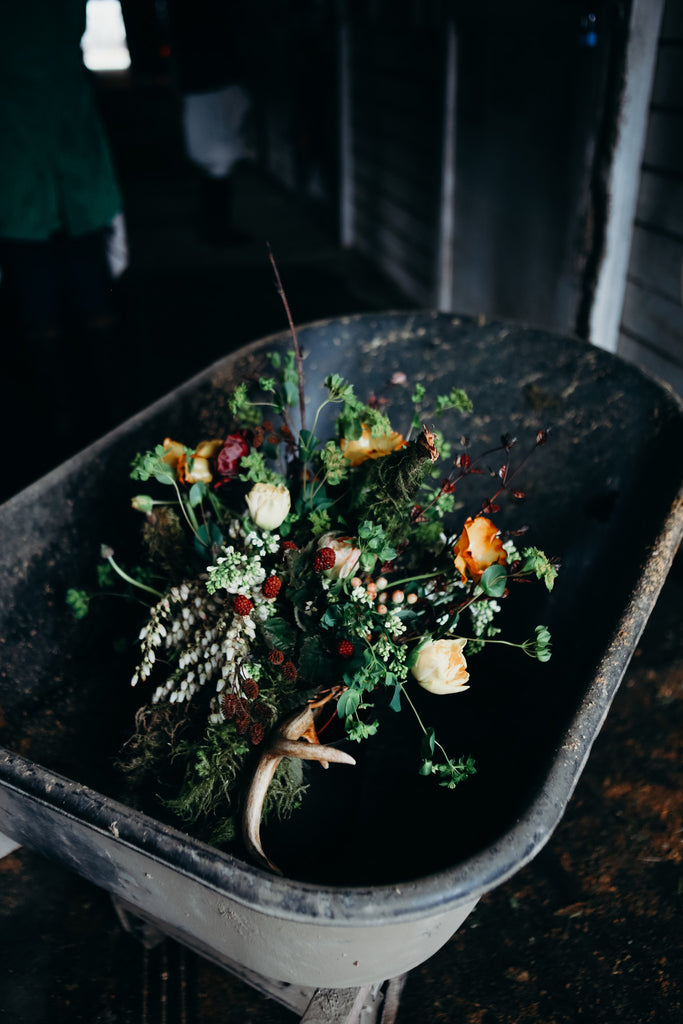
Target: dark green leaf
column 494, row 581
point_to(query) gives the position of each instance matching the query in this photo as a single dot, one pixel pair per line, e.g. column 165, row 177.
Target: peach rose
column 346, row 555
column 478, row 547
column 369, row 447
column 440, row 666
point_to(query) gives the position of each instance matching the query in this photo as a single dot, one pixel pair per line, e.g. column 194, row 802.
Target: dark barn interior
column 521, row 162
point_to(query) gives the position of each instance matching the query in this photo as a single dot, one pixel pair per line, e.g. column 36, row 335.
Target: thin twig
column 295, row 340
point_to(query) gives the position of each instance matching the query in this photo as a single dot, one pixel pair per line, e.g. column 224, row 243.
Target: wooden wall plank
column 655, row 263
column 664, row 142
column 667, row 88
column 655, row 320
column 660, row 203
column 667, row 371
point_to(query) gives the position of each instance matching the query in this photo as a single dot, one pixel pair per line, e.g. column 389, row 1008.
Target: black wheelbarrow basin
column 381, row 865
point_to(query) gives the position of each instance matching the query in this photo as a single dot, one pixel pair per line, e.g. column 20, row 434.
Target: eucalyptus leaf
column 494, row 581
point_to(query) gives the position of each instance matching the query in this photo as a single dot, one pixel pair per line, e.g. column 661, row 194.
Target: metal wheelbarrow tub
column 391, row 864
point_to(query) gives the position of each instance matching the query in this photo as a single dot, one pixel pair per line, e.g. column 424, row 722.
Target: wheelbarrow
column 380, row 866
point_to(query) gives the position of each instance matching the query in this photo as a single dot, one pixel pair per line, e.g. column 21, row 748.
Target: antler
column 294, row 737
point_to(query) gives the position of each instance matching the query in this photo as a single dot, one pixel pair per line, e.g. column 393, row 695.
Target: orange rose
column 201, row 469
column 478, row 547
column 369, row 447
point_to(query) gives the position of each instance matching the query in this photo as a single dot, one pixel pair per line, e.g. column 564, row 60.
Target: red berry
column 242, row 605
column 288, row 545
column 324, row 559
column 271, row 587
column 345, row 648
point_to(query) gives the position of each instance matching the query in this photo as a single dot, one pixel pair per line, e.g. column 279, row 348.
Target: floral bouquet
column 293, row 579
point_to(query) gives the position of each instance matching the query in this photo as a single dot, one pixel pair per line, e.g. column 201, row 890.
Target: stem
column 295, row 340
column 129, row 579
column 422, row 725
column 191, row 522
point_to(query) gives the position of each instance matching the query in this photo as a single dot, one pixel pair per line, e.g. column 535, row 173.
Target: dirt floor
column 590, row 930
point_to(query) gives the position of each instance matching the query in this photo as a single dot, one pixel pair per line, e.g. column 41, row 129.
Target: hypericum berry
column 344, row 648
column 289, row 670
column 271, row 587
column 256, row 732
column 267, row 425
column 275, row 657
column 288, row 545
column 324, row 559
column 229, row 705
column 242, row 605
column 250, row 689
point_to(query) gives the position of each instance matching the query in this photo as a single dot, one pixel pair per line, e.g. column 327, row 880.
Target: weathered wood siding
column 651, row 332
column 396, row 74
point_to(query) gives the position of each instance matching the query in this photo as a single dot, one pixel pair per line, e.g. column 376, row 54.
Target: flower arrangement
column 292, row 579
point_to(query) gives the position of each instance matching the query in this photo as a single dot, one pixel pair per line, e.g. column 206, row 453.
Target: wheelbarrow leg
column 370, row 1004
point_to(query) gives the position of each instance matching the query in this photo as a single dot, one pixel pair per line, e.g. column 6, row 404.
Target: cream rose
column 268, row 505
column 440, row 666
column 346, row 555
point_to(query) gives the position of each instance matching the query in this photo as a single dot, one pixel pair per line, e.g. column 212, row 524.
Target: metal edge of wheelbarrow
column 117, row 825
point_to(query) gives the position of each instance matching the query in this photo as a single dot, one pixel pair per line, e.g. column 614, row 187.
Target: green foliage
column 374, row 545
column 213, row 764
column 106, row 577
column 78, row 601
column 355, row 413
column 450, row 772
column 358, row 731
column 150, row 464
column 254, row 469
column 242, row 408
column 537, row 562
column 337, row 467
column 494, row 580
column 455, row 399
column 542, row 645
column 320, row 521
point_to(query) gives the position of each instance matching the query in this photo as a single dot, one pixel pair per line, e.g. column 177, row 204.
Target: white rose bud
column 346, row 555
column 440, row 667
column 268, row 505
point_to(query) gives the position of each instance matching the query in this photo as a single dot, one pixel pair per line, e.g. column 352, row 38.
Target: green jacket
column 56, row 172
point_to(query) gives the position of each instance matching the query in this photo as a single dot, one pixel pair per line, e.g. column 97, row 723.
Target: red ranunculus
column 229, row 457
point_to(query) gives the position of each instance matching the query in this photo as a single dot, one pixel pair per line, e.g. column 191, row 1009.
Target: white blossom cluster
column 393, row 656
column 201, row 633
column 482, row 614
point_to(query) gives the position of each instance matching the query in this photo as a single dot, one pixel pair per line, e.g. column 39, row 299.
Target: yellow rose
column 268, row 505
column 346, row 555
column 369, row 447
column 478, row 547
column 440, row 666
